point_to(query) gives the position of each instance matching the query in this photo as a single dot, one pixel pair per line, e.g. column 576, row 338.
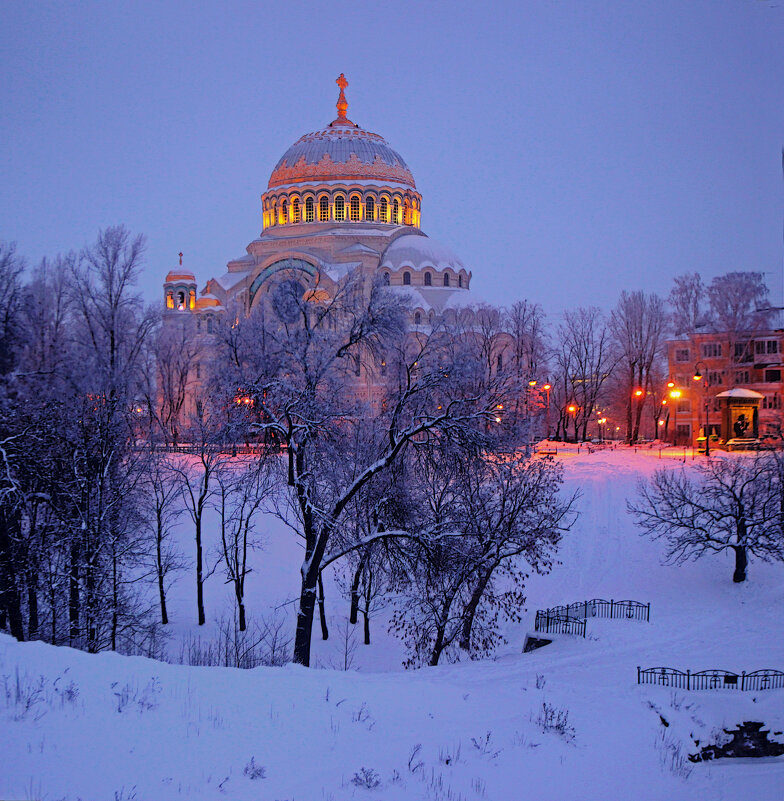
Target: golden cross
column 180, row 254
column 342, row 104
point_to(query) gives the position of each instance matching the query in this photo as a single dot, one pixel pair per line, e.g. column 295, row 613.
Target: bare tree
column 731, row 504
column 638, row 326
column 687, row 299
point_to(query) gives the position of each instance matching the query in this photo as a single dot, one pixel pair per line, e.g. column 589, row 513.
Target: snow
column 130, row 727
column 419, row 251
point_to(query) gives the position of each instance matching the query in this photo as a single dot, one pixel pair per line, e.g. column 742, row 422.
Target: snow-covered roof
column 231, row 279
column 414, row 295
column 740, row 392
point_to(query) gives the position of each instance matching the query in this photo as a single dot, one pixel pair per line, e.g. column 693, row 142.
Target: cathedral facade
column 340, row 202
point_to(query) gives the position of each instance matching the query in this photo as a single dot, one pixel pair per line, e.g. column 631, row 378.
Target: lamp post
column 547, row 389
column 572, row 409
column 699, row 377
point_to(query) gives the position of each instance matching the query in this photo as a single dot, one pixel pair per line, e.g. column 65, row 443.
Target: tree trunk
column 307, row 608
column 741, row 562
column 322, row 611
column 9, row 591
column 32, row 608
column 352, row 618
column 241, row 611
column 366, row 610
column 73, row 593
column 199, row 574
column 159, row 570
column 470, row 611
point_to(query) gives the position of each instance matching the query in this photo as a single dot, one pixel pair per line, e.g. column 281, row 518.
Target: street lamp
column 547, row 389
column 698, row 377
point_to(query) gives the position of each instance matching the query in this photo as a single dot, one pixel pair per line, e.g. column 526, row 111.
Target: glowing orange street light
column 532, row 383
column 638, row 392
column 571, row 408
column 675, row 393
column 670, row 384
column 547, row 387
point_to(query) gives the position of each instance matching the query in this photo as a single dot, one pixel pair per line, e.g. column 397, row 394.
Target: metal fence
column 712, row 679
column 599, row 607
column 559, row 624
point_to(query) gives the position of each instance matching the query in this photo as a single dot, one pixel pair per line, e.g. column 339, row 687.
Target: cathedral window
column 386, row 279
column 340, row 208
column 396, row 212
column 383, row 212
column 460, row 281
column 354, row 209
column 428, row 279
column 418, row 318
column 323, row 209
column 198, row 370
column 406, row 279
column 500, row 363
column 370, row 209
column 274, row 218
column 192, row 299
column 309, row 210
column 407, row 212
column 295, row 210
column 284, row 208
column 181, row 301
column 210, row 325
column 446, row 279
column 170, row 299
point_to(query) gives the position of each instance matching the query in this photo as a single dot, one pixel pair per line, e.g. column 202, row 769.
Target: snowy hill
column 564, row 722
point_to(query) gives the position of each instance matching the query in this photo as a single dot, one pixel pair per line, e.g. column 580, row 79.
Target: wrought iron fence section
column 559, row 624
column 712, row 679
column 599, row 607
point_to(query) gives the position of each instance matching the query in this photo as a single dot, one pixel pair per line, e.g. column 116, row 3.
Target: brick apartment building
column 723, row 362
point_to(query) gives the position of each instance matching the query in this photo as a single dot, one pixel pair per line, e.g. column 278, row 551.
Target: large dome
column 341, row 152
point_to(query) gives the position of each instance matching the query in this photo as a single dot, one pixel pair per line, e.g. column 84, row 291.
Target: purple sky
column 566, row 150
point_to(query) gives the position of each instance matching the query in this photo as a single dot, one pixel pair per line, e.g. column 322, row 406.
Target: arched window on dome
column 323, row 209
column 354, row 208
column 170, row 299
column 192, row 299
column 428, row 279
column 340, row 208
column 418, row 318
column 386, row 279
column 295, row 210
column 370, row 209
column 460, row 281
column 383, row 211
column 406, row 279
column 396, row 212
column 181, row 301
column 274, row 217
column 309, row 210
column 284, row 212
column 407, row 212
column 446, row 279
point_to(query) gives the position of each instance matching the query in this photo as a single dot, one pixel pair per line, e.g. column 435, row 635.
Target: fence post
column 688, row 679
column 648, row 613
column 743, row 680
column 638, row 674
column 585, row 612
column 612, row 603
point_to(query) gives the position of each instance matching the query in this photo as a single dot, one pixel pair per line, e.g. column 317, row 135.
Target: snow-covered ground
column 111, row 727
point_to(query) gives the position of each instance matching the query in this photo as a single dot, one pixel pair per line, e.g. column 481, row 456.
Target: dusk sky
column 565, row 150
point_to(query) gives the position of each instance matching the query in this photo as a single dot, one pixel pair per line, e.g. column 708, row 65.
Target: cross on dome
column 180, row 255
column 342, row 104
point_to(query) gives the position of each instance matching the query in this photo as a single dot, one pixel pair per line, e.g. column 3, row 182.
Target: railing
column 712, row 679
column 599, row 607
column 558, row 624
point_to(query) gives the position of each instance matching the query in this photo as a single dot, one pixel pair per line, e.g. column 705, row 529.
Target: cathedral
column 340, row 202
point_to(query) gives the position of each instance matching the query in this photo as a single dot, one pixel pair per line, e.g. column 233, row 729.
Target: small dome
column 179, row 275
column 419, row 251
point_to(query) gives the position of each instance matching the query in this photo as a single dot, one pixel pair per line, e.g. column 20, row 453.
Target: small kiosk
column 739, row 418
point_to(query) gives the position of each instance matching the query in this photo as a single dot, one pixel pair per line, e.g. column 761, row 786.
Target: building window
column 499, row 363
column 771, row 402
column 428, row 279
column 340, row 208
column 742, row 351
column 181, row 301
column 682, row 354
column 383, row 211
column 198, row 370
column 772, row 376
column 386, row 279
column 192, row 299
column 406, row 279
column 460, row 281
column 274, row 218
column 407, row 212
column 742, row 377
column 383, row 367
column 295, row 210
column 354, row 209
column 683, row 431
column 309, row 210
column 284, row 208
column 715, row 378
column 170, row 299
column 370, row 209
column 766, row 346
column 198, row 324
column 684, row 405
column 323, row 209
column 396, row 212
column 418, row 318
column 210, row 326
column 711, row 350
column 446, row 279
